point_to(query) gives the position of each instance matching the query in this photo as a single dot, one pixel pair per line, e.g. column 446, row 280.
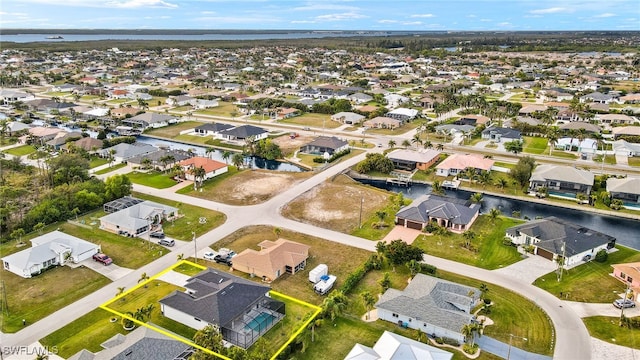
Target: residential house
column 597, row 97
column 394, row 100
column 286, row 113
column 244, row 132
column 142, row 343
column 149, row 120
column 552, row 238
column 402, row 114
column 136, row 219
column 391, row 346
column 123, row 151
column 8, row 96
column 40, row 135
column 434, row 306
column 359, row 98
column 619, row 131
column 410, row 160
column 626, row 189
column 240, row 309
column 161, row 159
column 62, row 138
column 630, row 99
column 325, row 146
column 456, row 163
column 211, row 168
column 472, row 120
column 456, row 215
column 498, row 134
column 211, row 129
column 580, row 126
column 124, row 111
column 382, row 122
column 584, row 146
column 275, row 258
column 624, row 148
column 528, row 110
column 180, row 100
column 49, row 250
column 561, row 180
column 629, row 274
column 347, row 117
column 618, row 119
column 16, row 127
column 87, row 144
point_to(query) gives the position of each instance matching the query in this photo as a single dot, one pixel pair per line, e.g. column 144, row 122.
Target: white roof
column 392, row 346
column 629, row 185
column 97, row 112
column 586, row 143
column 562, row 173
column 404, row 111
column 411, row 155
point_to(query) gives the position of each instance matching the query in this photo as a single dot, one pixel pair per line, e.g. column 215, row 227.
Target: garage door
column 545, row 254
column 414, row 225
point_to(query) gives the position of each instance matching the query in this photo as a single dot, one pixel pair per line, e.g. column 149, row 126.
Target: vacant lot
column 21, row 150
column 319, row 121
column 154, row 179
column 34, row 298
column 289, row 145
column 173, row 130
column 608, row 329
column 336, row 204
column 247, row 187
column 578, row 283
column 534, row 145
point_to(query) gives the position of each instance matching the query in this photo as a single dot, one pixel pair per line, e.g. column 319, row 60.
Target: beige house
column 274, row 259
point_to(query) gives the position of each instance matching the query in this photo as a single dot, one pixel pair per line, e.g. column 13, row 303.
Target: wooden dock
column 451, row 184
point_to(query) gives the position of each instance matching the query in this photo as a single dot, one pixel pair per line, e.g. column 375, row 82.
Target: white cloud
column 486, row 20
column 340, row 17
column 605, row 15
column 132, row 4
column 413, row 23
column 314, row 7
column 206, row 12
column 303, row 22
column 471, row 16
column 552, row 10
column 385, row 21
column 422, row 16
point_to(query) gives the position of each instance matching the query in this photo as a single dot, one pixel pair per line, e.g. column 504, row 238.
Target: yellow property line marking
column 105, row 306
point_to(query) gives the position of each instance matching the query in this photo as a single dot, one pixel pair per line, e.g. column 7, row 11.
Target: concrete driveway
column 400, row 232
column 529, row 269
column 113, row 271
column 175, row 278
column 594, row 309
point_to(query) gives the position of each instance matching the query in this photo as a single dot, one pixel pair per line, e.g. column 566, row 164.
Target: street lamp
column 195, row 247
column 511, row 336
column 361, row 204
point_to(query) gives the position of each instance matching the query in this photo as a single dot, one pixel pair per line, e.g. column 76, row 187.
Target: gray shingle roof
column 215, row 127
column 629, row 185
column 553, row 233
column 216, row 298
column 435, row 301
column 244, row 131
column 455, row 210
column 562, row 173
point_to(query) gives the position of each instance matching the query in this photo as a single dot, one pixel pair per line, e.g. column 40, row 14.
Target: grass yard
column 487, row 252
column 181, row 228
column 33, row 299
column 564, row 155
column 314, row 120
column 95, row 325
column 634, row 161
column 21, row 150
column 513, row 314
column 504, row 165
column 110, row 169
column 153, row 179
column 97, row 161
column 534, row 145
column 608, row 329
column 578, row 283
column 608, row 159
column 397, row 131
column 193, row 139
column 295, row 316
column 224, row 109
column 173, row 130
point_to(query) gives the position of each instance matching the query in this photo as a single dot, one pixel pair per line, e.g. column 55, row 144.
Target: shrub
column 428, row 269
column 602, row 256
column 470, row 349
column 506, row 241
column 487, row 301
column 450, row 341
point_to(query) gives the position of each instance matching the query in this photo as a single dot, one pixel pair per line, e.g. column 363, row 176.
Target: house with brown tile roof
column 274, row 259
column 211, row 167
column 456, row 163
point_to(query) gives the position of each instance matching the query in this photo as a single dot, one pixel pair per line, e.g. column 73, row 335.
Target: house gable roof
column 328, row 142
column 244, row 131
column 414, row 156
column 207, row 164
column 455, row 210
column 273, row 255
column 392, row 346
column 629, row 185
column 562, row 173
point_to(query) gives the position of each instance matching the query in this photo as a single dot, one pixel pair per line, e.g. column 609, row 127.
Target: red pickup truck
column 102, row 258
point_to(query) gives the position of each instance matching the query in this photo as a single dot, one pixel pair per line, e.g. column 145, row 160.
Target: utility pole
column 195, row 247
column 511, row 336
column 361, row 204
column 564, row 250
column 626, row 293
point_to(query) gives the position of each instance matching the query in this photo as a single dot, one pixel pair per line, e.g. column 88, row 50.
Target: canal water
column 626, row 231
column 250, row 161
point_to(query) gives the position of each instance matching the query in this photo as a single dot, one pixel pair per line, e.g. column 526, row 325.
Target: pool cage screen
column 247, row 329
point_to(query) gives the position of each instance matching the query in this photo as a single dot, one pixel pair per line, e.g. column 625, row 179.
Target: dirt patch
column 336, row 204
column 289, row 145
column 252, row 187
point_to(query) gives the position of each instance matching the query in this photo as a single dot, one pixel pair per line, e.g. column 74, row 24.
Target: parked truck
column 325, row 284
column 317, row 272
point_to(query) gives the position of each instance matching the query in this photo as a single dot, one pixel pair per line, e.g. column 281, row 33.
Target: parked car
column 624, row 303
column 157, row 235
column 102, row 258
column 221, row 259
column 209, row 255
column 166, row 242
column 226, row 252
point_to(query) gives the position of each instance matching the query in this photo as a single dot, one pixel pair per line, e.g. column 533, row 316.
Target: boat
column 54, row 37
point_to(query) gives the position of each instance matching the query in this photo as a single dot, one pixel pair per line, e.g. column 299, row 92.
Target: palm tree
column 467, row 331
column 484, row 178
column 501, row 183
column 468, row 237
column 381, row 215
column 416, row 139
column 368, row 301
column 484, row 289
column 469, row 173
column 476, row 198
column 111, row 157
column 237, row 160
column 143, row 277
column 165, row 160
column 180, row 257
column 392, row 144
column 333, row 305
column 226, row 155
column 198, row 176
column 494, row 213
column 146, row 163
column 552, row 136
column 120, row 292
column 414, row 267
column 427, row 145
column 209, row 151
column 406, row 143
column 440, row 147
column 436, row 188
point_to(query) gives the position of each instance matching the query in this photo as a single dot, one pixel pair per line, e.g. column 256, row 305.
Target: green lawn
column 634, row 161
column 110, row 169
column 564, row 155
column 34, row 298
column 154, row 179
column 314, row 120
column 97, row 161
column 224, row 109
column 401, row 130
column 579, row 283
column 173, row 130
column 608, row 329
column 488, row 251
column 95, row 325
column 608, row 159
column 534, row 145
column 21, row 150
column 181, row 228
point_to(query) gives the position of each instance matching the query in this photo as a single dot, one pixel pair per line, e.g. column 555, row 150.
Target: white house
column 48, row 250
column 136, row 219
column 211, row 168
column 392, row 346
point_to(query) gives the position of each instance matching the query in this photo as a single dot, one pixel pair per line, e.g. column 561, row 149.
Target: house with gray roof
column 498, row 134
column 241, row 309
column 123, row 151
column 552, row 238
column 347, row 117
column 49, row 250
column 142, row 343
column 456, row 215
column 149, row 120
column 625, row 148
column 626, row 189
column 211, row 129
column 325, row 146
column 244, row 132
column 138, row 218
column 434, row 306
column 162, row 158
column 561, row 180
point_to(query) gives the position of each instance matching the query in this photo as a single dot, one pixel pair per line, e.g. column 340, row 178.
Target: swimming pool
column 260, row 322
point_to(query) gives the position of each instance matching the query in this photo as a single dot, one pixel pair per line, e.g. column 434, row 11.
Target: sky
column 401, row 15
